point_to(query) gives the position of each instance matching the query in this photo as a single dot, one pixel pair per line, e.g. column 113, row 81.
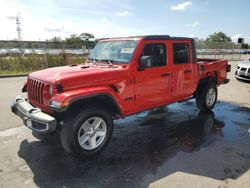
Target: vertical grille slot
column 41, row 94
column 35, row 90
column 39, row 89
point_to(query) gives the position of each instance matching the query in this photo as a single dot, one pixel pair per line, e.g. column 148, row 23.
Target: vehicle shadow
column 145, row 148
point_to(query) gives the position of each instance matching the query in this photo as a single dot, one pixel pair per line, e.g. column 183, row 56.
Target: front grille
column 35, row 90
column 243, row 69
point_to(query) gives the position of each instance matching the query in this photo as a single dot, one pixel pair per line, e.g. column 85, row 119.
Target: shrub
column 26, row 64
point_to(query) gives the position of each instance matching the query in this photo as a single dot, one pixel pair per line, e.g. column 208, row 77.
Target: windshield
column 118, row 52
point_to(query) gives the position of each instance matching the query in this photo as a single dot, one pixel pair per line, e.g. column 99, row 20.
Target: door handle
column 187, row 71
column 165, row 75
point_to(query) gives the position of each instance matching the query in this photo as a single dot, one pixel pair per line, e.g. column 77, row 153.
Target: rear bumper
column 33, row 117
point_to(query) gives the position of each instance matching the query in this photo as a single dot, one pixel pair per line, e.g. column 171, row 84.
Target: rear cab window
column 181, row 53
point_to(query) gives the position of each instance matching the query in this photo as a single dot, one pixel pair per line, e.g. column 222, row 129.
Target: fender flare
column 97, row 95
column 73, row 97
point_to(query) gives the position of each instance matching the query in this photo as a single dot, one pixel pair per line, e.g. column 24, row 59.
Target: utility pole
column 18, row 25
column 18, row 28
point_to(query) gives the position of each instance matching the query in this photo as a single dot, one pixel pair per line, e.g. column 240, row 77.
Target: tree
column 86, row 37
column 218, row 37
column 199, row 43
column 244, row 46
column 73, row 41
column 78, row 41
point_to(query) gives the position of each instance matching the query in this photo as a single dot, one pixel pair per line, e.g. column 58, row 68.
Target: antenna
column 18, row 25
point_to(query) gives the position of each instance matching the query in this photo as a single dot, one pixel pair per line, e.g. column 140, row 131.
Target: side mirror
column 145, row 61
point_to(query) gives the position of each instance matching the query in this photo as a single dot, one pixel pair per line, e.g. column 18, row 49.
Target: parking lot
column 172, row 146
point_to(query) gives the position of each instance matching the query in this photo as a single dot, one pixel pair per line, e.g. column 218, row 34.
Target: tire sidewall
column 76, row 125
column 207, row 88
column 201, row 95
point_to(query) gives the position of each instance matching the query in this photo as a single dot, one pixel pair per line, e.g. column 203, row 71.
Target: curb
column 13, row 75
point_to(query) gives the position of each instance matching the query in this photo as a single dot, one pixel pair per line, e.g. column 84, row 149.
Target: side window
column 157, row 53
column 181, row 53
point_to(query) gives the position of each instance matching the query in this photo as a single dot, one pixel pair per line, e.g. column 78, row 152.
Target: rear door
column 184, row 69
column 152, row 83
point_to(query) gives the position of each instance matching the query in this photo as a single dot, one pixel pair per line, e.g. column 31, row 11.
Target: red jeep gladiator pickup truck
column 122, row 76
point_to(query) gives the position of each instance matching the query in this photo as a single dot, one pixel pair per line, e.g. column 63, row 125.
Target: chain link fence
column 221, row 50
column 28, row 56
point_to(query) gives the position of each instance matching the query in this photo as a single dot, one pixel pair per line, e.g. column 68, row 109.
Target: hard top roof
column 149, row 37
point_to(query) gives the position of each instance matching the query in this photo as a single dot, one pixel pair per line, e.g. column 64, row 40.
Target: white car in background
column 243, row 71
column 39, row 51
column 3, row 52
column 28, row 52
column 14, row 51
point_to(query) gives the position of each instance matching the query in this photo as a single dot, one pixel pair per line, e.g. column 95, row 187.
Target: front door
column 152, row 83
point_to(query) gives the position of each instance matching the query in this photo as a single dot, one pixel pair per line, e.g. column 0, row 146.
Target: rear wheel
column 206, row 96
column 88, row 132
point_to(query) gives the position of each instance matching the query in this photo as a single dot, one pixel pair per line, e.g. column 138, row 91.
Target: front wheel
column 206, row 96
column 88, row 132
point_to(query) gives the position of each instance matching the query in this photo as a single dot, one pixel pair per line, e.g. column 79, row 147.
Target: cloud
column 181, row 6
column 41, row 20
column 106, row 22
column 239, row 35
column 54, row 29
column 123, row 13
column 235, row 37
column 195, row 24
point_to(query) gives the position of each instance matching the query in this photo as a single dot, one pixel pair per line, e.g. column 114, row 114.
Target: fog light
column 36, row 125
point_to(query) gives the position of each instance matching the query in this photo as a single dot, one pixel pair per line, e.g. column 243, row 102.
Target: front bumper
column 243, row 75
column 247, row 78
column 32, row 117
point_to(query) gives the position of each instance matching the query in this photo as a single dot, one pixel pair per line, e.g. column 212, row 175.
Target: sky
column 44, row 19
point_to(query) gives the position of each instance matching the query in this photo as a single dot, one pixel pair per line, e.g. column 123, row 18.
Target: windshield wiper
column 110, row 61
column 92, row 59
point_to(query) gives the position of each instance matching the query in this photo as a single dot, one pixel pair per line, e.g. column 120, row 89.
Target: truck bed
column 215, row 67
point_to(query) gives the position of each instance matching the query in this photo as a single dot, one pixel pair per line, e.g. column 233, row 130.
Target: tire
column 206, row 96
column 88, row 132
